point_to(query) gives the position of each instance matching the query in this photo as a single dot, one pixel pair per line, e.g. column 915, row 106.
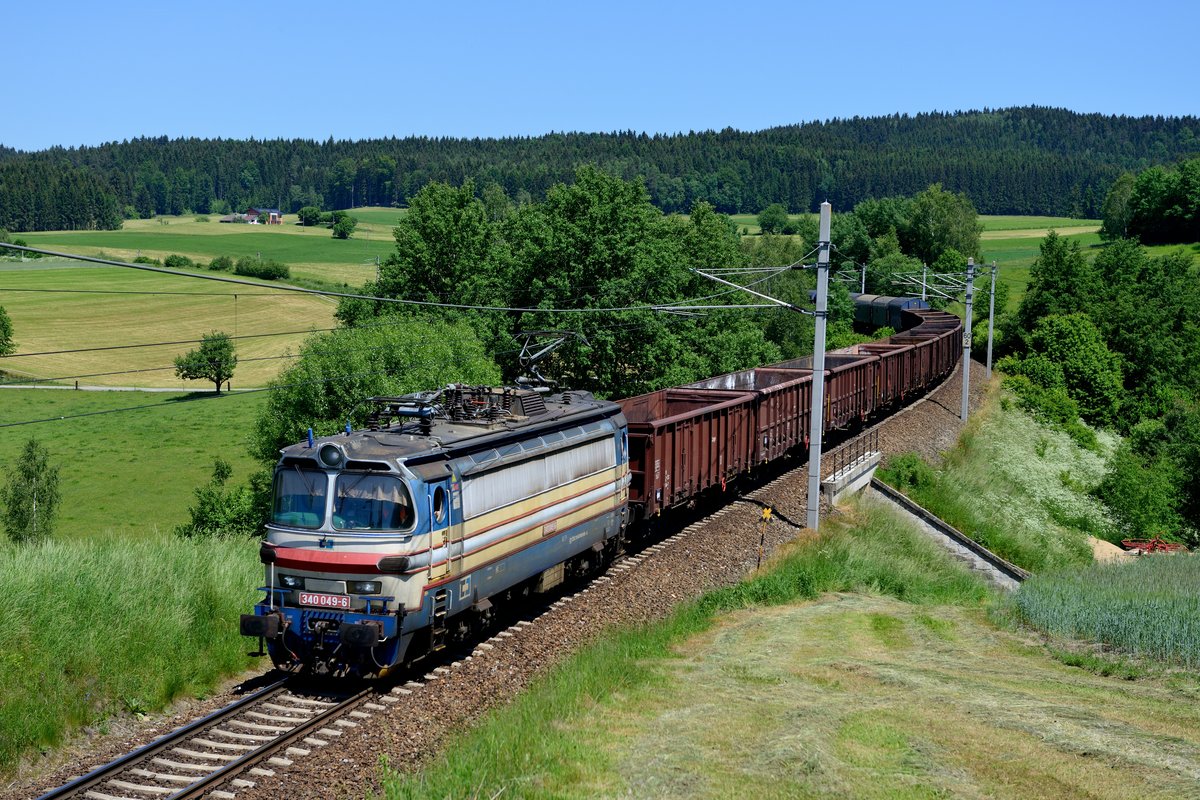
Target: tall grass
column 1150, row 607
column 1016, row 487
column 96, row 627
column 878, row 553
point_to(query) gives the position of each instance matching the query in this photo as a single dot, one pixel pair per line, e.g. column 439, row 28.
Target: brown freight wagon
column 892, row 371
column 849, row 385
column 784, row 407
column 684, row 441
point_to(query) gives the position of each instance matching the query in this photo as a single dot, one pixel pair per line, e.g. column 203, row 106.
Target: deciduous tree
column 31, row 495
column 7, row 345
column 773, row 218
column 214, row 360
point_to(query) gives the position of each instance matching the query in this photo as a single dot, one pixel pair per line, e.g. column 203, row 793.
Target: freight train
column 388, row 543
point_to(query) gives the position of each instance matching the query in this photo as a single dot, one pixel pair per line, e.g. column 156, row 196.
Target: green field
column 1002, row 223
column 129, row 474
column 1109, row 603
column 310, row 252
column 377, row 218
column 49, row 316
column 1015, row 253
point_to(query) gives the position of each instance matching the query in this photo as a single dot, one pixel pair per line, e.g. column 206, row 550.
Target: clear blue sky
column 87, row 72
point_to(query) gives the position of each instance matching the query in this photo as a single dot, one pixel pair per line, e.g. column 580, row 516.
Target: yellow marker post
column 762, row 537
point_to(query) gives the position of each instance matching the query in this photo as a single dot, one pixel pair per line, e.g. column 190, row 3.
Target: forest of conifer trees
column 1031, row 160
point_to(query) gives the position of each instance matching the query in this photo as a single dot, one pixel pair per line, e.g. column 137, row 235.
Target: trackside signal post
column 818, row 375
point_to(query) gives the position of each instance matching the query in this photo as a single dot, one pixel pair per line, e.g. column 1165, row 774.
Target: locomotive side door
column 445, row 526
column 438, row 499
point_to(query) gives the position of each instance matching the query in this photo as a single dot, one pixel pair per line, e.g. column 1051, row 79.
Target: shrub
column 266, row 269
column 309, row 216
column 221, row 264
column 147, row 260
column 176, row 261
column 909, row 471
column 223, row 512
column 1053, row 406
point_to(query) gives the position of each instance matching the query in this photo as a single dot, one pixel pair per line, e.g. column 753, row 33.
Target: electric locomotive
column 389, row 542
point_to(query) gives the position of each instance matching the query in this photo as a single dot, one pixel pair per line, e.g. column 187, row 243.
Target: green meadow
column 312, row 253
column 993, row 223
column 128, row 468
column 1015, row 250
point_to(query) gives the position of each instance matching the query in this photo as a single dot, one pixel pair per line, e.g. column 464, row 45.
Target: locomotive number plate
column 325, row 600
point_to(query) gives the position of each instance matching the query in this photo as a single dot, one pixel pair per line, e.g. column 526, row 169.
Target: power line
column 163, row 344
column 239, row 393
column 348, row 295
column 133, row 291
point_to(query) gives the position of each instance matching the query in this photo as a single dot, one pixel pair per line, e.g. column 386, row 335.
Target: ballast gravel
column 718, row 550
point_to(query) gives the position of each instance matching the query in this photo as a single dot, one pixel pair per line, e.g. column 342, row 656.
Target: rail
column 197, row 785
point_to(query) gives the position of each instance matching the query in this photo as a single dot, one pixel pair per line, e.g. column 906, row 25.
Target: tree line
column 595, row 257
column 1161, row 205
column 1114, row 340
column 1030, row 160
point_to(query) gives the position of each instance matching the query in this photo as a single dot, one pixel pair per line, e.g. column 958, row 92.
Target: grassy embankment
column 1015, row 486
column 892, row 680
column 861, row 664
column 92, row 628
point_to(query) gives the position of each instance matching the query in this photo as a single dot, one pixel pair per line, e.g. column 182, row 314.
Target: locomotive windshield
column 371, row 502
column 299, row 498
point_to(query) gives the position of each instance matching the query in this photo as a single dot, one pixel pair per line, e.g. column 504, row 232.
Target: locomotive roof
column 440, row 435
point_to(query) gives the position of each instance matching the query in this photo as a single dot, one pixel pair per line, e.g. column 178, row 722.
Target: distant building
column 264, row 216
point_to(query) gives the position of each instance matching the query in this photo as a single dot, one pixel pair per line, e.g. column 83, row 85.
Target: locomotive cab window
column 371, row 502
column 299, row 500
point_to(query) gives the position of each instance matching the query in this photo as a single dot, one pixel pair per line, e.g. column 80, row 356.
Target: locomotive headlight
column 330, row 455
column 364, row 587
column 291, row 582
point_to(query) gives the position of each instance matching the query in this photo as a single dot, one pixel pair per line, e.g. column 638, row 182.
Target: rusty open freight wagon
column 685, row 441
column 783, row 411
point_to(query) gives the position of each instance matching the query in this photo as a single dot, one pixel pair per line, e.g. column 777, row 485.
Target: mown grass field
column 310, row 252
column 93, row 628
column 51, row 310
column 993, row 223
column 129, row 475
column 814, row 679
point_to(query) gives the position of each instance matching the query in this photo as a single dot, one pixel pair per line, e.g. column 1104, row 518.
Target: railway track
column 231, row 746
column 156, row 769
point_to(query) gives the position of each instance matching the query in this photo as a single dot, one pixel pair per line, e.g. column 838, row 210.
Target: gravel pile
column 716, row 551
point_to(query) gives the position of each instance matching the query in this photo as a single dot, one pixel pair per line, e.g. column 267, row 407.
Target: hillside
column 1030, row 160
